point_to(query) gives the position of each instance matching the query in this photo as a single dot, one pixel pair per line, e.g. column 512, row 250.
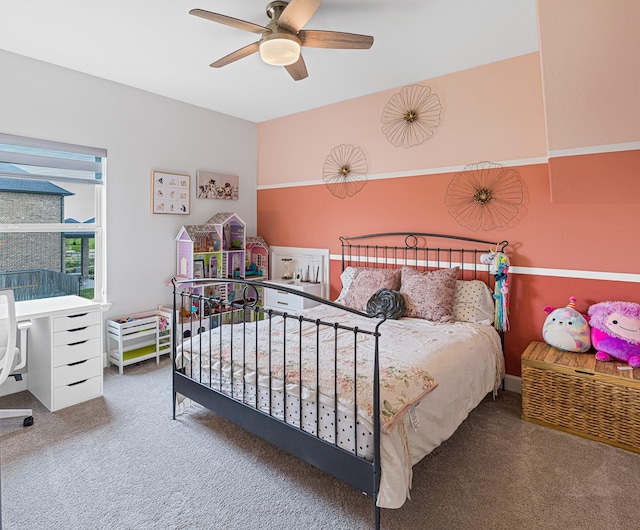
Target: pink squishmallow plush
column 567, row 329
column 615, row 331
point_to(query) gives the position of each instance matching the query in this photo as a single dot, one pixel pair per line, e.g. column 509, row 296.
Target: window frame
column 97, row 228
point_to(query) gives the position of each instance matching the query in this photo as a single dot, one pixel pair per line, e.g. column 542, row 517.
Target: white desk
column 64, row 350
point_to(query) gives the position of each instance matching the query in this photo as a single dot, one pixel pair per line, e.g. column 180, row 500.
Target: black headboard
column 420, row 250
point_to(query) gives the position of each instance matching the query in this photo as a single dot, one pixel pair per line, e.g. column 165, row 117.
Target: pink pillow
column 429, row 295
column 367, row 282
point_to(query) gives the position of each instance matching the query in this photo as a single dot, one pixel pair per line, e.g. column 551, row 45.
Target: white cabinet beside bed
column 302, row 269
column 284, row 301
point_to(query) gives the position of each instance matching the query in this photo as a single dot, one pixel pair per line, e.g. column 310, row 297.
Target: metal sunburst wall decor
column 410, row 116
column 484, row 196
column 345, row 170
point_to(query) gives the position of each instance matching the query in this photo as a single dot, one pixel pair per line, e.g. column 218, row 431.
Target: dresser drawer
column 78, row 320
column 72, row 373
column 282, row 300
column 76, row 335
column 79, row 351
column 65, row 396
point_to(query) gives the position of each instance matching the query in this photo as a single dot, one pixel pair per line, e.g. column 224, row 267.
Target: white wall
column 141, row 132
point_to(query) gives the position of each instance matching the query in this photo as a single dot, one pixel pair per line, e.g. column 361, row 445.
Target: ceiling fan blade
column 297, row 14
column 335, row 39
column 229, row 21
column 297, row 70
column 238, row 54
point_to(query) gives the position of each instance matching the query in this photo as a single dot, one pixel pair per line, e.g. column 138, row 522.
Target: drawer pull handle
column 583, row 372
column 283, row 303
column 282, row 292
column 77, row 363
column 77, row 329
column 78, row 315
column 78, row 383
column 79, row 342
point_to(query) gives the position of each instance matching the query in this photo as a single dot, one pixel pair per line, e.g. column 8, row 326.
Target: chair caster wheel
column 28, row 421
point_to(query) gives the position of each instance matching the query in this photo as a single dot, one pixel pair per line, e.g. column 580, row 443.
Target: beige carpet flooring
column 121, row 462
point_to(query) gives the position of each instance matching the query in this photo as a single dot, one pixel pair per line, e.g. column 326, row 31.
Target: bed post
column 174, row 336
column 376, row 424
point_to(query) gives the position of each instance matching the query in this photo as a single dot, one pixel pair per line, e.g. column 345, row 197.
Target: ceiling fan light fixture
column 280, row 49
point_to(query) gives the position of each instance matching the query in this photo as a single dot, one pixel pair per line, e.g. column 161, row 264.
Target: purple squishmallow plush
column 615, row 331
column 567, row 329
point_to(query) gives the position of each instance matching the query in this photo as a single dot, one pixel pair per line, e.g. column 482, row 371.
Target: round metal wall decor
column 484, row 196
column 410, row 116
column 345, row 170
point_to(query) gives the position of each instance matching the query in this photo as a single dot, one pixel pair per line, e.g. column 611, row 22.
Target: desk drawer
column 75, row 335
column 72, row 373
column 78, row 320
column 76, row 352
column 65, row 396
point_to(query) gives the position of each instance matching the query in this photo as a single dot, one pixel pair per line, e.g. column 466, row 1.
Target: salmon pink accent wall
column 590, row 70
column 545, row 234
column 596, row 178
column 492, row 113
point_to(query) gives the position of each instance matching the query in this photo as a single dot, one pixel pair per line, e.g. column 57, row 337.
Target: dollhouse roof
column 194, row 231
column 256, row 240
column 224, row 217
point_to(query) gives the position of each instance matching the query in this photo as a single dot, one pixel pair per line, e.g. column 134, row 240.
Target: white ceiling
column 155, row 45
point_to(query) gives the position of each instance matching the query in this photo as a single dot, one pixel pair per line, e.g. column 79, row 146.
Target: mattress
column 432, row 375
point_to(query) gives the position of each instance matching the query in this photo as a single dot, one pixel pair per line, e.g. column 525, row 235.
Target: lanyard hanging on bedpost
column 498, row 263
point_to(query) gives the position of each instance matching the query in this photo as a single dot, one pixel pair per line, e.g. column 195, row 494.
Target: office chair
column 11, row 358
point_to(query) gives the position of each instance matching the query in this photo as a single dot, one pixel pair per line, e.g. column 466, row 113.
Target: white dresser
column 284, row 301
column 64, row 349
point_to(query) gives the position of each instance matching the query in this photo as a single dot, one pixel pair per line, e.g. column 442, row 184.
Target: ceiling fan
column 281, row 39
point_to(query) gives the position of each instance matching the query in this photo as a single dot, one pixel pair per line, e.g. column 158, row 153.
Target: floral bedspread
column 333, row 364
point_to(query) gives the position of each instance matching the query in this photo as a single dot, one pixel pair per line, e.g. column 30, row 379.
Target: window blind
column 44, row 159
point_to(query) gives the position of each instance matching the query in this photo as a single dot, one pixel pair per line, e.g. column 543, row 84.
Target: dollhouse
column 257, row 258
column 220, row 248
column 215, row 249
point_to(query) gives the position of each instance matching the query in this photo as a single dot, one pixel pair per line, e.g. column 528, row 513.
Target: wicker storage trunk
column 575, row 393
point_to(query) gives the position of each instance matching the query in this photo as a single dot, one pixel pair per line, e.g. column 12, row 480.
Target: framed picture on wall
column 216, row 186
column 170, row 193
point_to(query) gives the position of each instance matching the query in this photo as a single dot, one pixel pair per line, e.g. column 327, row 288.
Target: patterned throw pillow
column 346, row 278
column 473, row 302
column 429, row 295
column 366, row 282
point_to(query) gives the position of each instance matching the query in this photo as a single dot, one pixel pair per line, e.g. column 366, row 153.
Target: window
column 51, row 218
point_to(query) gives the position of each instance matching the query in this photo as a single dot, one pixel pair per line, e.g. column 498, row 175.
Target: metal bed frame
column 244, row 311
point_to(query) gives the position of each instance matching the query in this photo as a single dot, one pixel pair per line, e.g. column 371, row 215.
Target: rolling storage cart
column 135, row 338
